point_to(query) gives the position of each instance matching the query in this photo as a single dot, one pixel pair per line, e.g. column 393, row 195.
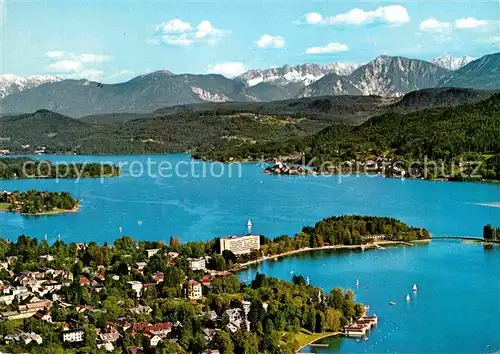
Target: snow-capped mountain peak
column 10, row 83
column 452, row 63
column 304, row 74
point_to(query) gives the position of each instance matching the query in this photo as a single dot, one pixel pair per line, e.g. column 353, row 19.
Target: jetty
column 361, row 326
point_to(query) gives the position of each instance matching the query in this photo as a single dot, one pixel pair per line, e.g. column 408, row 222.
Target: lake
column 455, row 310
column 201, row 208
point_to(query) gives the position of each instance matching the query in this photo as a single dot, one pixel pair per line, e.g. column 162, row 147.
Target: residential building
column 140, row 309
column 240, row 244
column 135, row 286
column 197, row 263
column 194, row 290
column 152, row 252
column 73, row 336
column 26, row 338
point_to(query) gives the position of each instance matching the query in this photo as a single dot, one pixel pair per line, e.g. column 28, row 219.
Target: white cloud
column 205, row 28
column 268, row 41
column 492, row 40
column 179, row 33
column 433, row 25
column 313, row 18
column 176, row 40
column 89, row 74
column 332, row 47
column 92, row 58
column 230, row 69
column 76, row 65
column 54, row 54
column 469, row 22
column 393, row 15
column 173, row 26
column 66, row 66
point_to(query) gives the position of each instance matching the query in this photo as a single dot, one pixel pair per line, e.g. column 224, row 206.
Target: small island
column 35, row 202
column 27, row 168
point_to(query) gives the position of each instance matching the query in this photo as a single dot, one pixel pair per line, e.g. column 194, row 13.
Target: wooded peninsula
column 150, row 297
column 34, row 202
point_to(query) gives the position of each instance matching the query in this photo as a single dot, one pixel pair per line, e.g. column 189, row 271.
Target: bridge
column 464, row 238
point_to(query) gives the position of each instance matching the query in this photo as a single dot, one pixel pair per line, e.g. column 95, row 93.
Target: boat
column 392, row 302
column 249, row 223
column 408, row 297
column 414, row 287
column 357, row 282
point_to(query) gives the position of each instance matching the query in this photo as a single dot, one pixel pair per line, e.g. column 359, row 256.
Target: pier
column 360, row 327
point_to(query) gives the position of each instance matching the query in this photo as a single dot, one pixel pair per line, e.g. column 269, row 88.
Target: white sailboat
column 357, row 282
column 414, row 287
column 408, row 297
column 249, row 223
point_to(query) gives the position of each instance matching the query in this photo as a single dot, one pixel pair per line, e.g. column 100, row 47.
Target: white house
column 152, row 252
column 74, row 336
column 197, row 263
column 135, row 286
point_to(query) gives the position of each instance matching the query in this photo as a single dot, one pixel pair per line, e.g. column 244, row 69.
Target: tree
column 224, row 343
column 299, row 280
column 488, row 232
column 332, row 320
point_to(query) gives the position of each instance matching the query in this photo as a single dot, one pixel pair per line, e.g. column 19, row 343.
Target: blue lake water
column 455, row 310
column 200, row 208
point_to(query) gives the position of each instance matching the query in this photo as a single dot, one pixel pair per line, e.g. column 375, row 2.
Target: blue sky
column 112, row 41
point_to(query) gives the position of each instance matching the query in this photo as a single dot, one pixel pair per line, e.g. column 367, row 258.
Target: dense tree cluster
column 11, row 168
column 33, row 201
column 491, row 233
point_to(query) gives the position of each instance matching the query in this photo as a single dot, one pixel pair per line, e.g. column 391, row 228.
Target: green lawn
column 304, row 337
column 4, row 206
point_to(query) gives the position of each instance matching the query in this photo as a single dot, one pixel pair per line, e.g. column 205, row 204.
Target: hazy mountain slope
column 483, row 73
column 142, row 94
column 439, row 97
column 438, row 133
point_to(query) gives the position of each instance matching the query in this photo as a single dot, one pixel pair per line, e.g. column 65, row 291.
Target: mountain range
column 384, row 76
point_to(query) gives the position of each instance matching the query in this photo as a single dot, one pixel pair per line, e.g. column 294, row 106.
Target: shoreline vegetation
column 38, row 203
column 27, row 168
column 382, row 166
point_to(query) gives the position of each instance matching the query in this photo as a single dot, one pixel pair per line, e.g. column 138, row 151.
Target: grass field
column 304, row 337
column 4, row 206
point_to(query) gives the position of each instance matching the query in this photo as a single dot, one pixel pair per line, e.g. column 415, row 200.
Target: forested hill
column 471, row 131
column 240, row 130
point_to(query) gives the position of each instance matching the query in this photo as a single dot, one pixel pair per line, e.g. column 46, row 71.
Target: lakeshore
column 372, row 245
column 51, row 212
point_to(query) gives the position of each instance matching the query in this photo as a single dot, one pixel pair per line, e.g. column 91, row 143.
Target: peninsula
column 27, row 168
column 35, row 202
column 177, row 298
